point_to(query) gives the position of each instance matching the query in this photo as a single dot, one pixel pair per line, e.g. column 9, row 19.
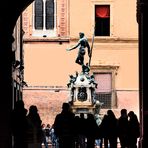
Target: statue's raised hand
column 67, row 49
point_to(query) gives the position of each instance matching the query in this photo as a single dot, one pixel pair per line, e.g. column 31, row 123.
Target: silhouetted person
column 108, row 130
column 82, row 131
column 123, row 128
column 34, row 131
column 19, row 124
column 82, row 44
column 91, row 130
column 76, row 131
column 133, row 130
column 98, row 140
column 44, row 140
column 47, row 130
column 63, row 126
column 104, row 131
column 112, row 129
column 53, row 137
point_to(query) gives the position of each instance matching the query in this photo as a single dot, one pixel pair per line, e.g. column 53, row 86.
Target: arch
column 10, row 10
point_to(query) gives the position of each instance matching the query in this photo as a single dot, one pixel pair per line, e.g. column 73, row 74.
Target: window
column 102, row 20
column 104, row 88
column 39, row 14
column 44, row 18
column 105, row 78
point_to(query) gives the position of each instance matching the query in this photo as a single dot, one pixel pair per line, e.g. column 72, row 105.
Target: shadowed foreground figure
column 92, row 129
column 19, row 124
column 34, row 129
column 123, row 128
column 133, row 129
column 63, row 126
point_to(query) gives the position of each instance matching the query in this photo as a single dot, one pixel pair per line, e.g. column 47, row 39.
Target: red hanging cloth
column 103, row 11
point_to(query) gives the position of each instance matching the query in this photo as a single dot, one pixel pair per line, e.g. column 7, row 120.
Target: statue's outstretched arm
column 68, row 49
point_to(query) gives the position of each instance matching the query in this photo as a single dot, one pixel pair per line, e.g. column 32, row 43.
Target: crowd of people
column 70, row 130
column 49, row 136
column 78, row 132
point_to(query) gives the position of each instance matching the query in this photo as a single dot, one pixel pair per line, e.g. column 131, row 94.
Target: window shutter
column 104, row 82
column 38, row 14
column 49, row 14
column 103, row 91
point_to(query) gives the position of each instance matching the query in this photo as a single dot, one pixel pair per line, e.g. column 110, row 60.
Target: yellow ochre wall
column 49, row 64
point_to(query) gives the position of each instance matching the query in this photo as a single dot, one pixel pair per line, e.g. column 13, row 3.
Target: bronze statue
column 82, row 44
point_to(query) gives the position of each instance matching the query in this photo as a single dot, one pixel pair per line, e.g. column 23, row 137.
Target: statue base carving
column 82, row 93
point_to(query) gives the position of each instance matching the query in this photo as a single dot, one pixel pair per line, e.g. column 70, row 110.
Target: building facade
column 52, row 26
column 17, row 63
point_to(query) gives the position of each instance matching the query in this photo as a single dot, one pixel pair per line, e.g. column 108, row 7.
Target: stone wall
column 48, row 102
